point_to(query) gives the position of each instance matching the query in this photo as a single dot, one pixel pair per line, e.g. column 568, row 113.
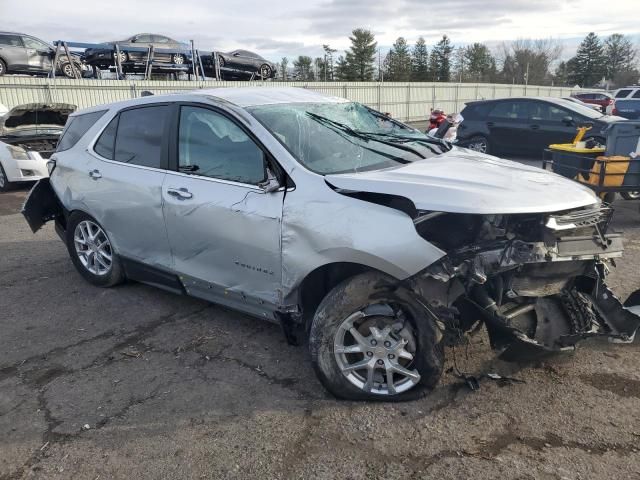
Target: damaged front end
column 536, row 281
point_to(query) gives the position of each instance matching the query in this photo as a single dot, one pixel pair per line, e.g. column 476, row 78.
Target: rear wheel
column 178, row 59
column 631, row 195
column 3, row 68
column 123, row 56
column 478, row 143
column 368, row 341
column 92, row 252
column 67, row 69
column 220, row 61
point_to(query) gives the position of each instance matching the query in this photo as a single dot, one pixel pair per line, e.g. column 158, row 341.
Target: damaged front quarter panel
column 535, row 281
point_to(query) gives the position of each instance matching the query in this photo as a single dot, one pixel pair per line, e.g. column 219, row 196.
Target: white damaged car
column 375, row 243
column 28, row 136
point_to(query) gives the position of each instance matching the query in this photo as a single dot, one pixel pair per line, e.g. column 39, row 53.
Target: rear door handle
column 95, row 174
column 535, row 127
column 180, row 193
column 490, row 124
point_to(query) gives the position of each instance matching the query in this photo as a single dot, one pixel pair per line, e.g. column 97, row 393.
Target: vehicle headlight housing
column 18, row 153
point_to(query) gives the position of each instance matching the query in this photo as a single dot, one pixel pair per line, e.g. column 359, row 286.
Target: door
column 13, row 52
column 223, row 227
column 508, row 125
column 549, row 125
column 38, row 54
column 125, row 182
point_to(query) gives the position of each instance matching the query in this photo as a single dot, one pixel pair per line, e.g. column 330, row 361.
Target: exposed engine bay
column 45, row 145
column 536, row 281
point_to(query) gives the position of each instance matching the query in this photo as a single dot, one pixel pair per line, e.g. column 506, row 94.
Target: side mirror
column 568, row 120
column 271, row 184
column 236, row 54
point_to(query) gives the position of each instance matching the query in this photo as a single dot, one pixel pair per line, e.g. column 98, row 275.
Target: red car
column 595, row 98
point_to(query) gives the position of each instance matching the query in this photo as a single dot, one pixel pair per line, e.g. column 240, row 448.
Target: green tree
column 480, row 64
column 620, row 57
column 440, row 60
column 359, row 59
column 302, row 68
column 328, row 59
column 284, row 65
column 529, row 61
column 398, row 62
column 343, row 70
column 420, row 61
column 588, row 66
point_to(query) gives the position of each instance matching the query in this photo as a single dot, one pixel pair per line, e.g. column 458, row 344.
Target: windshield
column 344, row 137
column 582, row 109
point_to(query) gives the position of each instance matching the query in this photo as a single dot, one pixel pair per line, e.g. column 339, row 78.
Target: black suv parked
column 526, row 125
column 20, row 53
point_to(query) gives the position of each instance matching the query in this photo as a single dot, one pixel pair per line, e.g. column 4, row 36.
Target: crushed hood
column 36, row 118
column 462, row 181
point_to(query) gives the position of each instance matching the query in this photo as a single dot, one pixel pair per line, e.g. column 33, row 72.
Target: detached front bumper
column 26, row 170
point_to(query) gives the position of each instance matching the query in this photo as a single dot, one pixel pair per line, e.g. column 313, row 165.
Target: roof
column 254, row 96
column 239, row 96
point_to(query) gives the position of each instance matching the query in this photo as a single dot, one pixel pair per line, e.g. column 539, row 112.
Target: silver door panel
column 225, row 235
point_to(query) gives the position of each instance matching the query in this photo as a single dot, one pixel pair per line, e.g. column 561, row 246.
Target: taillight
column 614, row 111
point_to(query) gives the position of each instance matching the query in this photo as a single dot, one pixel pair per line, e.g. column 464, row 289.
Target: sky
column 278, row 28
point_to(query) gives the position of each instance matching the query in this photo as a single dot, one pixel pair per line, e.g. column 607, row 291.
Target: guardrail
column 404, row 101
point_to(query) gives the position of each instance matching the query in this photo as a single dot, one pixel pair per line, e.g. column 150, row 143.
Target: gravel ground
column 134, row 382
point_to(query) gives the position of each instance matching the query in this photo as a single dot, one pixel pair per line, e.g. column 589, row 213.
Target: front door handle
column 180, row 193
column 490, row 124
column 95, row 174
column 535, row 127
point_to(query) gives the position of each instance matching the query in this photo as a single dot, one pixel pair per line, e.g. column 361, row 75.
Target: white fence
column 405, row 101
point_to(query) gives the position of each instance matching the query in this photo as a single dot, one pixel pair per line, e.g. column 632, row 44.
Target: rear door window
column 637, row 94
column 76, row 127
column 11, row 41
column 139, row 136
column 515, row 110
column 476, row 111
column 623, row 93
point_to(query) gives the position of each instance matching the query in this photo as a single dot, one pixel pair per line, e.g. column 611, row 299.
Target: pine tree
column 284, row 64
column 302, row 68
column 620, row 56
column 398, row 68
column 343, row 70
column 440, row 60
column 420, row 61
column 588, row 66
column 328, row 58
column 359, row 59
column 480, row 64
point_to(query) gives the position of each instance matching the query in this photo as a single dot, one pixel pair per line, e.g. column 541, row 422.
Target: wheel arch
column 319, row 282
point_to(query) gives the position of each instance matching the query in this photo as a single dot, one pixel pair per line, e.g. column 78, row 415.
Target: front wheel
column 265, row 71
column 92, row 252
column 69, row 70
column 3, row 68
column 369, row 341
column 5, row 184
column 178, row 59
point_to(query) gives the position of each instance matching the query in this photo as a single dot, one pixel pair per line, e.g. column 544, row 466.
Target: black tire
column 113, row 277
column 220, row 61
column 351, row 296
column 631, row 195
column 3, row 67
column 478, row 143
column 67, row 69
column 5, row 184
column 265, row 71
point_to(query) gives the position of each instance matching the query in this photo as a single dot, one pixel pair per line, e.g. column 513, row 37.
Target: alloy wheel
column 93, row 247
column 265, row 71
column 178, row 59
column 68, row 70
column 375, row 351
column 478, row 145
column 3, row 179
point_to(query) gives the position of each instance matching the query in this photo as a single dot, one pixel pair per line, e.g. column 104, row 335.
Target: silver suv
column 376, row 243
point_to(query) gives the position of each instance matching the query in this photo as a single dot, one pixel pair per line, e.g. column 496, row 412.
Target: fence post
column 379, row 97
column 408, row 102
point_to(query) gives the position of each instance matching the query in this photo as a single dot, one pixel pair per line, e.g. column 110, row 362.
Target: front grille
column 580, row 219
